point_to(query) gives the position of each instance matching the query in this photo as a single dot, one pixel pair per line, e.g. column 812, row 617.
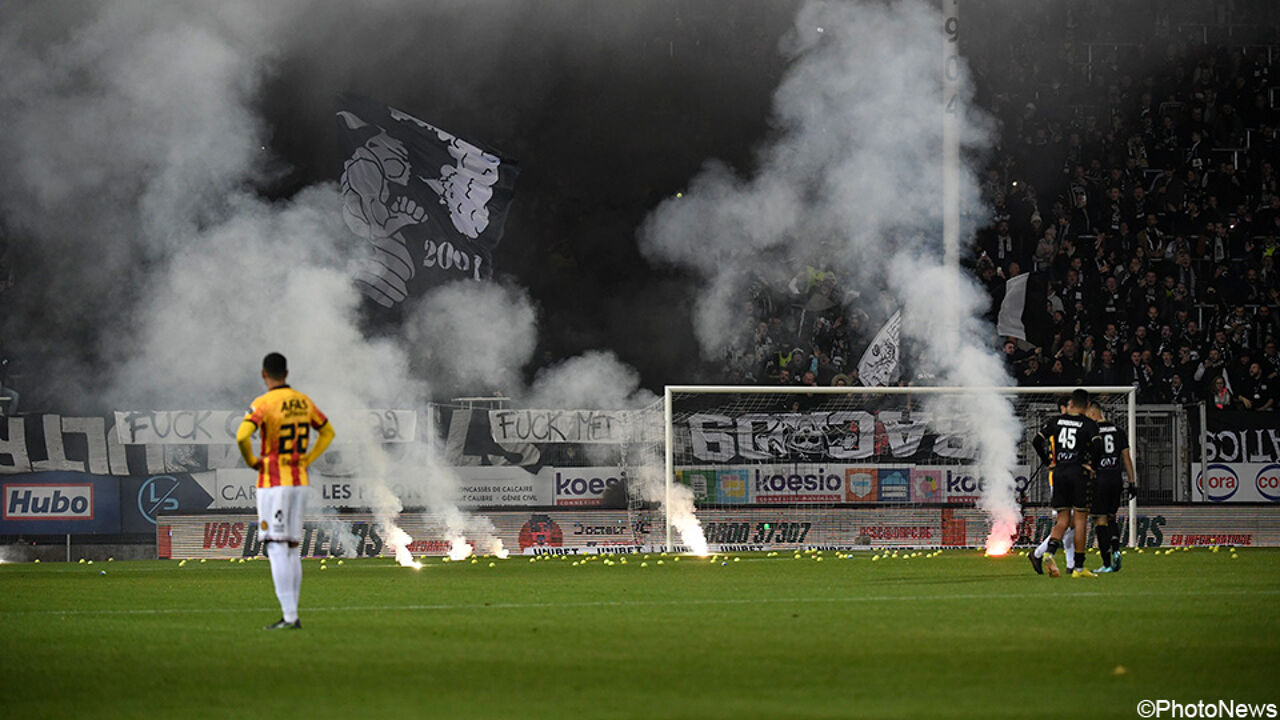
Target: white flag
column 879, row 364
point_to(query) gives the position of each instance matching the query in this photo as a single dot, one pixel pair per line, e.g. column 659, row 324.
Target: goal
column 774, row 468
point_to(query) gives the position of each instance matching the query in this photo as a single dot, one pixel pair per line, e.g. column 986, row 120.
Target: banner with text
column 59, row 503
column 218, row 427
column 1228, row 482
column 1236, row 437
column 574, row 426
column 832, row 435
column 574, row 532
column 813, row 483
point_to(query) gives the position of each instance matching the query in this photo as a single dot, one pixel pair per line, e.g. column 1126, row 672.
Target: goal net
column 775, row 468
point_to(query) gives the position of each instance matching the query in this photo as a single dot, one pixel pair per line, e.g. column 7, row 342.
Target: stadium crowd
column 1142, row 186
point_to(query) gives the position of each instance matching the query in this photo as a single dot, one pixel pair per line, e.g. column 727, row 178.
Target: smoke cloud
column 158, row 268
column 158, row 275
column 474, row 338
column 853, row 182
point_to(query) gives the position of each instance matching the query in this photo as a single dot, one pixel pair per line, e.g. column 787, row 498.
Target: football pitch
column 750, row 636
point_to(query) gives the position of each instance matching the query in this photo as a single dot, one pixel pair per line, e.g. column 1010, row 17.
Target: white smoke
column 595, row 380
column 133, row 147
column 941, row 311
column 400, row 542
column 475, row 337
column 852, row 182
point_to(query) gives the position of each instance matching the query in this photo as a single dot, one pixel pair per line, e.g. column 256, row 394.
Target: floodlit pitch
column 807, row 634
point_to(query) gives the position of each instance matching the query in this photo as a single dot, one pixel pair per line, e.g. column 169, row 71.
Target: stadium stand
column 1138, row 172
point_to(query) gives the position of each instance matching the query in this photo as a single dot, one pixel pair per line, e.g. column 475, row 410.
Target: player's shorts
column 1107, row 488
column 280, row 511
column 1072, row 488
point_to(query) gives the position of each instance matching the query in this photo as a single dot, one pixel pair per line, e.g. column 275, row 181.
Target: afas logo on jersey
column 1218, row 483
column 293, row 404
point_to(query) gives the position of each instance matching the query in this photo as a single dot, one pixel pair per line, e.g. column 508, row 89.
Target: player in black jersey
column 1069, row 445
column 1108, row 486
column 1036, row 554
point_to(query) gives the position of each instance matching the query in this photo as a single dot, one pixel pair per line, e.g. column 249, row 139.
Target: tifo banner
column 218, row 427
column 187, row 441
column 814, row 483
column 430, row 204
column 1237, row 437
column 834, row 435
column 36, row 443
column 567, row 532
column 1236, row 482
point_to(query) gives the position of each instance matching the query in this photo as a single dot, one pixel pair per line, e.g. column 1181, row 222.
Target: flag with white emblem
column 879, row 365
column 430, row 205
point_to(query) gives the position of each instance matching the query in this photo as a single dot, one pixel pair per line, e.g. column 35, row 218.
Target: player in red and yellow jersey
column 283, row 419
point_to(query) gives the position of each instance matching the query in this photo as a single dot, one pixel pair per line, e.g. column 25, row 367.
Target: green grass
column 958, row 635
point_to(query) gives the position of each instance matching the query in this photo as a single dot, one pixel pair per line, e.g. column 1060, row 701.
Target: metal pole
column 68, row 547
column 950, row 134
column 1204, row 443
column 667, row 422
column 1133, row 455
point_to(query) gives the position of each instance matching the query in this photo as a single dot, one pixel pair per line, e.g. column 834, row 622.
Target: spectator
column 1270, row 359
column 1178, row 393
column 1256, row 391
column 1209, row 369
column 1107, row 373
column 1220, row 394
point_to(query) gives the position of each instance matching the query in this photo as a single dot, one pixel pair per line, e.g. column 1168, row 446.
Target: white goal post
column 749, row 417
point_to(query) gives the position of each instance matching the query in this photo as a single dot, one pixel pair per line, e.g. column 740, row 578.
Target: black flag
column 430, row 204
